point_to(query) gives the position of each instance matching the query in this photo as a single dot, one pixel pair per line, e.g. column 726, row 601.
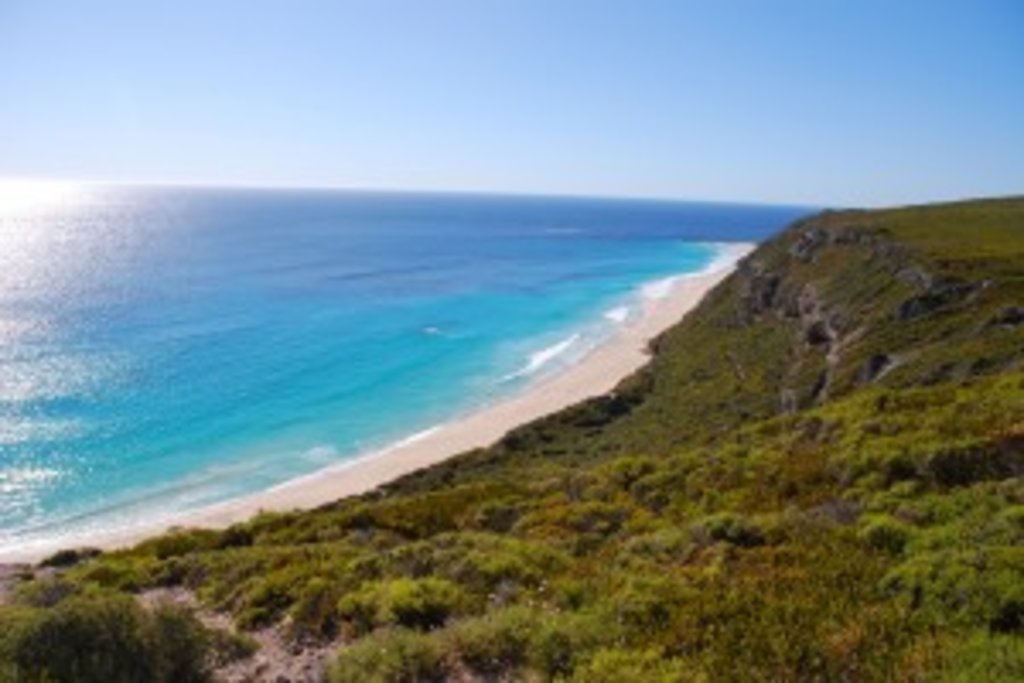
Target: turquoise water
column 163, row 349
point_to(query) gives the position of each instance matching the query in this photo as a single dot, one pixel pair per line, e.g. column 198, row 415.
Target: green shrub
column 412, row 603
column 265, row 601
column 516, row 643
column 663, row 546
column 180, row 645
column 106, row 639
column 982, row 656
column 70, row 557
column 966, row 464
column 498, row 516
column 983, row 587
column 886, row 534
column 618, row 665
column 561, row 641
column 46, row 591
column 730, row 528
column 492, row 643
column 181, row 542
column 389, row 656
column 314, row 614
column 493, row 561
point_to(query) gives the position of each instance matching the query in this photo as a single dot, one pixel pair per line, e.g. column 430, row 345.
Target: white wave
column 321, row 453
column 659, row 289
column 727, row 254
column 726, row 257
column 619, row 314
column 541, row 358
column 414, row 438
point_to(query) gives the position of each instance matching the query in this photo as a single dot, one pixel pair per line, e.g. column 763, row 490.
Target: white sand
column 665, row 303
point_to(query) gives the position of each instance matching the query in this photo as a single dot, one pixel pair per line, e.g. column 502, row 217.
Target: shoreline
column 664, row 303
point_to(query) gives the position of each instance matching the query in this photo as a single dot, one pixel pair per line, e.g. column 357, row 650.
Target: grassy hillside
column 817, row 477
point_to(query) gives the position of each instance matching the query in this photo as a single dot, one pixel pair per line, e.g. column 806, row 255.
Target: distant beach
column 665, row 302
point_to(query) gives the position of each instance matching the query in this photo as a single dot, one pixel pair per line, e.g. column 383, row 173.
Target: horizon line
column 525, row 194
column 369, row 189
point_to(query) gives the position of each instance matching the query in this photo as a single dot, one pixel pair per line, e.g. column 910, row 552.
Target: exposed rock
column 984, row 365
column 818, row 333
column 1008, row 317
column 837, row 510
column 817, row 327
column 934, row 299
column 808, row 302
column 737, row 367
column 854, row 233
column 915, row 276
column 818, row 391
column 807, row 244
column 875, row 367
column 762, row 288
column 787, row 401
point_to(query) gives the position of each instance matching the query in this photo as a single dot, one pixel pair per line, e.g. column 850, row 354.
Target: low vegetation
column 817, row 477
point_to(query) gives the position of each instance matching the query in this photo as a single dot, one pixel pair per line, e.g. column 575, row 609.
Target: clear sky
column 824, row 102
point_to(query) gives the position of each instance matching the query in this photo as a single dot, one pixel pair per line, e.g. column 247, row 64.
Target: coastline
column 664, row 303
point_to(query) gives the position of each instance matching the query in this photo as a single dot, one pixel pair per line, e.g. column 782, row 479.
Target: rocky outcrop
column 860, row 305
column 875, row 367
column 758, row 289
column 937, row 295
column 807, row 244
column 1011, row 316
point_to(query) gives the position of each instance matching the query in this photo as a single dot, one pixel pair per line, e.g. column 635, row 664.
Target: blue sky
column 862, row 102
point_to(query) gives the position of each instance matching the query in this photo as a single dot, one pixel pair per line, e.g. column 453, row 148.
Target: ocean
column 163, row 349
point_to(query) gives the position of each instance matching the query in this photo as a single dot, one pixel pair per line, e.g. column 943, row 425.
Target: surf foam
column 539, row 359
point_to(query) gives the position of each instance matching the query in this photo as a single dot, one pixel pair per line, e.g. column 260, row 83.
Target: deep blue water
column 167, row 348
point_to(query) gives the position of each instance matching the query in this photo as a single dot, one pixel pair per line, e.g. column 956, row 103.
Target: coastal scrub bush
column 492, row 561
column 983, row 586
column 662, row 546
column 516, row 643
column 646, row 604
column 982, row 656
column 412, row 603
column 615, row 665
column 265, row 601
column 69, row 557
column 492, row 643
column 887, row 534
column 562, row 640
column 108, row 639
column 314, row 615
column 730, row 528
column 46, row 592
column 389, row 656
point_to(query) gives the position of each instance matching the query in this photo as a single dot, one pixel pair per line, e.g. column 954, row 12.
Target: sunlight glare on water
column 28, row 197
column 30, row 242
column 37, row 261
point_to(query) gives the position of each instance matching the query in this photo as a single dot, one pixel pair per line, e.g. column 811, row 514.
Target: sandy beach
column 597, row 373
